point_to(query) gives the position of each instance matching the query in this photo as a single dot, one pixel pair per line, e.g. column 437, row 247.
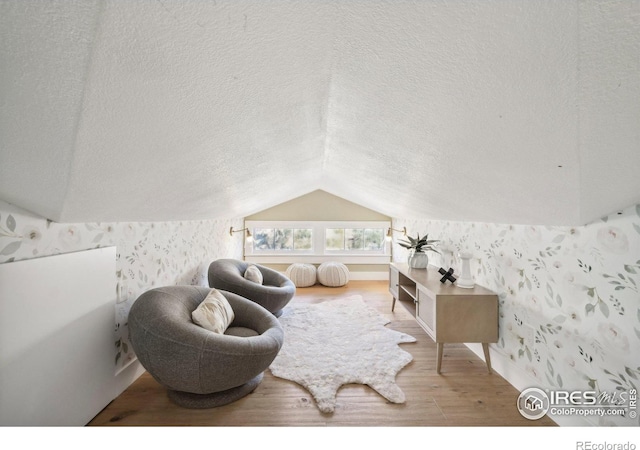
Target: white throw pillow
column 253, row 274
column 214, row 313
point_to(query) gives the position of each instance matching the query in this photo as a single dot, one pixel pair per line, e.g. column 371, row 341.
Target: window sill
column 319, row 259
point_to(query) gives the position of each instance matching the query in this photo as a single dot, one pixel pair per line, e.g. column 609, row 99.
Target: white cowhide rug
column 338, row 342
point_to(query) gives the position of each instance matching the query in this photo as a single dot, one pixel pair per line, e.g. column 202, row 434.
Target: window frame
column 318, row 253
column 249, row 246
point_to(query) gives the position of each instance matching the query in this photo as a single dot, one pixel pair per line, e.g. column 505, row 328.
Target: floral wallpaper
column 569, row 297
column 149, row 254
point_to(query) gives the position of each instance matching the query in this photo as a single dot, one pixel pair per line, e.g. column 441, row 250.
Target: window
column 354, row 239
column 334, row 239
column 278, row 239
column 294, row 241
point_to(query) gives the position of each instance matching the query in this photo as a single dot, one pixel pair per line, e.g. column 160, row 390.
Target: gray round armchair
column 273, row 294
column 200, row 368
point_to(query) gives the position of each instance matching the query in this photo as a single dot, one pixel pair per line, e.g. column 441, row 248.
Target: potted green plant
column 418, row 246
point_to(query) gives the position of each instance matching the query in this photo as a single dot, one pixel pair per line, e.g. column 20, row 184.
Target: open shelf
column 410, row 289
column 407, row 294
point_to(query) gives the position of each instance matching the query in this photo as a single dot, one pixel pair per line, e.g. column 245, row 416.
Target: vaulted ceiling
column 481, row 110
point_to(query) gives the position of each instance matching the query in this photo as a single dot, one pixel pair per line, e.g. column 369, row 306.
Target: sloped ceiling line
column 171, row 110
column 44, row 48
column 81, row 106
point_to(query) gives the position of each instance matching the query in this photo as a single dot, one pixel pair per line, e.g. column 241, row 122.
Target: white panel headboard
column 57, row 350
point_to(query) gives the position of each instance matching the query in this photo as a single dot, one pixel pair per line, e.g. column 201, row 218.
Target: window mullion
column 322, row 238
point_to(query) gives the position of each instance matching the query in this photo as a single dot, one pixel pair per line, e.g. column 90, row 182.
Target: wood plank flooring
column 465, row 394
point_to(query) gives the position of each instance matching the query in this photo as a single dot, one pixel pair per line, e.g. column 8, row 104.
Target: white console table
column 448, row 313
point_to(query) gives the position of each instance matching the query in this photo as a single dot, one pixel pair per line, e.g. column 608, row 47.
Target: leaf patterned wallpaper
column 149, row 254
column 576, row 289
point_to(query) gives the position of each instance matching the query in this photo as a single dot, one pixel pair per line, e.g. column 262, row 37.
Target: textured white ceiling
column 487, row 110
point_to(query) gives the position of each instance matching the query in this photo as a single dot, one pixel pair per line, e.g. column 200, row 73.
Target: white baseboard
column 521, row 381
column 127, row 375
column 373, row 276
column 366, row 276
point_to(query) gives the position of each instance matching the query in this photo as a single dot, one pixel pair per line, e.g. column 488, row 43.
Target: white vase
column 465, row 280
column 418, row 260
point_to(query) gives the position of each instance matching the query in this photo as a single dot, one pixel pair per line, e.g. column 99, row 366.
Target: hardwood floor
column 465, row 394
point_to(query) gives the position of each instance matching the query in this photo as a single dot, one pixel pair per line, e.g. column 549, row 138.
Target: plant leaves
column 589, row 308
column 558, row 300
column 11, row 248
column 559, row 318
column 559, row 379
column 11, row 223
column 629, row 268
column 550, row 290
column 604, row 308
column 549, row 301
column 558, row 239
column 637, row 227
column 549, row 379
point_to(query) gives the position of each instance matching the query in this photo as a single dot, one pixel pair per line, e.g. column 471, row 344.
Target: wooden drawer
column 467, row 319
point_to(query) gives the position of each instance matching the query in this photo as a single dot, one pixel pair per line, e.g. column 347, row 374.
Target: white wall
column 321, row 206
column 149, row 255
column 574, row 290
column 56, row 338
